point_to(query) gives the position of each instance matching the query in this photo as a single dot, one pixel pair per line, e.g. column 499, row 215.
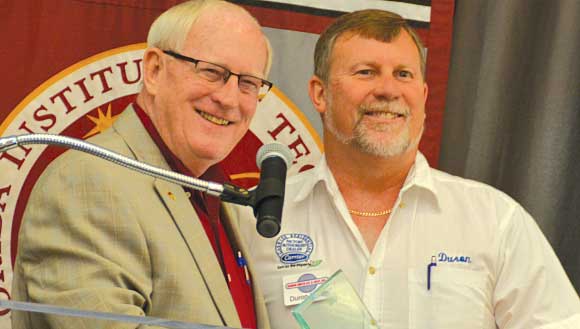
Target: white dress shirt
column 494, row 268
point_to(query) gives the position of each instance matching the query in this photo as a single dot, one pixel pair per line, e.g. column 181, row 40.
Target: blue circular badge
column 294, row 248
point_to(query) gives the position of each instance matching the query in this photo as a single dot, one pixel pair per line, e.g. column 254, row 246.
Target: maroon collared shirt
column 208, row 211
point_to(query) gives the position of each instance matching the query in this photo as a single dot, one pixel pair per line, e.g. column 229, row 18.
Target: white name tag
column 298, row 286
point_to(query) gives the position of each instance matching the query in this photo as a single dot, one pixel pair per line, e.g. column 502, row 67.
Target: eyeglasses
column 215, row 73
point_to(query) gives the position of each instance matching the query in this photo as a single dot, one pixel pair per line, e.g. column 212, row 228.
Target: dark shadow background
column 513, row 110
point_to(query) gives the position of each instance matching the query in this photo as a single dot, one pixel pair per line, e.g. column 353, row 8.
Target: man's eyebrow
column 372, row 64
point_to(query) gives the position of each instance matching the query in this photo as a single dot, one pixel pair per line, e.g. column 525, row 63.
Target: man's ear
column 152, row 68
column 318, row 93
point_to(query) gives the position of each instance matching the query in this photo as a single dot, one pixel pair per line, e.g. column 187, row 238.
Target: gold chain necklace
column 370, row 213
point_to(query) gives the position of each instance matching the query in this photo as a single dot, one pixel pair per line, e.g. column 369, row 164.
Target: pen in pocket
column 242, row 263
column 429, row 269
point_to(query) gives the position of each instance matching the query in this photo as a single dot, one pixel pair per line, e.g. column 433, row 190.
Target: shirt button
column 402, row 205
column 188, row 194
column 372, row 270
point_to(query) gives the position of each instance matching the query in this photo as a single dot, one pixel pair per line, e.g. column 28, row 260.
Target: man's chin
column 210, row 151
column 381, row 147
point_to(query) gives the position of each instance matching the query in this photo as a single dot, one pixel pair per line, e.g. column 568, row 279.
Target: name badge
column 298, row 286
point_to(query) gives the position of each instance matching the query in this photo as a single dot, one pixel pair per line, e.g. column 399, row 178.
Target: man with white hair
column 98, row 237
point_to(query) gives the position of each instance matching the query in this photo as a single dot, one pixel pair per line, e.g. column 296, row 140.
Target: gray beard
column 363, row 138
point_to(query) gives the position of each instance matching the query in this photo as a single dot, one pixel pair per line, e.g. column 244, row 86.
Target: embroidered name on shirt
column 443, row 257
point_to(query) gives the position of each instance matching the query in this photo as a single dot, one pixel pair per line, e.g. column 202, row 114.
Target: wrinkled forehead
column 379, row 36
column 345, row 42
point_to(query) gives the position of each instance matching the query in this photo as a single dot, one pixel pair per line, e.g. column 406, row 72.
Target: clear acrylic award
column 335, row 304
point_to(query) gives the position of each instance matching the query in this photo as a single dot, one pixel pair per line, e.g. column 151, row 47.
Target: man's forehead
column 238, row 48
column 355, row 35
column 225, row 16
column 343, row 46
column 221, row 21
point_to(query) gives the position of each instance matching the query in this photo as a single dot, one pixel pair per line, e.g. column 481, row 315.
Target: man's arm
column 80, row 246
column 532, row 289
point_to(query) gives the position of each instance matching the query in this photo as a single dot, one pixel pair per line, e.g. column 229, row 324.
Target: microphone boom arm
column 226, row 192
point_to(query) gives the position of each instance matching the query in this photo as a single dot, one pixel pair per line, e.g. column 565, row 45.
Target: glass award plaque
column 335, row 304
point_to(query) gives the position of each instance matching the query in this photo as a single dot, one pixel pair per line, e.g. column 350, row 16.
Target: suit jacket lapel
column 182, row 212
column 192, row 231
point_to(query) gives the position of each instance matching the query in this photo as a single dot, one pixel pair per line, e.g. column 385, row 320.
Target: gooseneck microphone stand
column 226, row 192
column 267, row 199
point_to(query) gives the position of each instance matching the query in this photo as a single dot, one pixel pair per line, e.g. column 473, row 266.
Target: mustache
column 395, row 107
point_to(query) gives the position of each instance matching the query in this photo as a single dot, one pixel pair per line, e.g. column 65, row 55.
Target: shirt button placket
column 371, row 294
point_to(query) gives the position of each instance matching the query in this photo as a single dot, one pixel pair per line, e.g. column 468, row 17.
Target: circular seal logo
column 294, row 248
column 85, row 99
column 310, row 280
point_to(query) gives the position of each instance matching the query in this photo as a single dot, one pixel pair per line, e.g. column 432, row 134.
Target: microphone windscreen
column 274, row 149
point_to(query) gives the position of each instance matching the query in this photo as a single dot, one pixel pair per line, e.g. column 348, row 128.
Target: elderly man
column 96, row 236
column 424, row 249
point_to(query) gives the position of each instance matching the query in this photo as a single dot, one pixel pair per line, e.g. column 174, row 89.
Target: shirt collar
column 420, row 175
column 319, row 174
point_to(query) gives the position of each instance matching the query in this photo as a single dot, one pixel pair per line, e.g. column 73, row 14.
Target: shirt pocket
column 457, row 298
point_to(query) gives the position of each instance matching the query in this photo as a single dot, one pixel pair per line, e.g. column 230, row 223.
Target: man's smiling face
column 201, row 121
column 375, row 99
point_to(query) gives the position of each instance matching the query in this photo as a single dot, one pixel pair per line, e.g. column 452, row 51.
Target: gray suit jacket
column 97, row 236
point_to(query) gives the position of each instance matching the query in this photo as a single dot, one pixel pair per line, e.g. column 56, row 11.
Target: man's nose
column 228, row 94
column 387, row 87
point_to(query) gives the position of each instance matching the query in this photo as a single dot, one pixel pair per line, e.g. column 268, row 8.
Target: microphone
column 273, row 159
column 226, row 192
column 267, row 199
